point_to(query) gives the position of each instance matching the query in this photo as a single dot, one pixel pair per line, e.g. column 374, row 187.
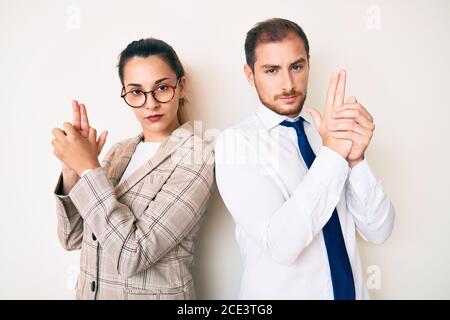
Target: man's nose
column 288, row 82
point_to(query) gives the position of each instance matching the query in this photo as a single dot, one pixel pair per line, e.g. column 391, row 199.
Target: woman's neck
column 161, row 135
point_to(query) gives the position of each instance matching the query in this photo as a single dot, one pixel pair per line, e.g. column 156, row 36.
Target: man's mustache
column 288, row 94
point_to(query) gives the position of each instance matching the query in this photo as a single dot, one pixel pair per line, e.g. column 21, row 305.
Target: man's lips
column 288, row 97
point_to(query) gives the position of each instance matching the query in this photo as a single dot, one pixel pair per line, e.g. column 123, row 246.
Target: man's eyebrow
column 300, row 60
column 269, row 66
column 274, row 66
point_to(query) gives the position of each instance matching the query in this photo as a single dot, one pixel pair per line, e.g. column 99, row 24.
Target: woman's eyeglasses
column 137, row 98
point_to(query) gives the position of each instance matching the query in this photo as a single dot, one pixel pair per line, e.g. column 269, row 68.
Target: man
column 297, row 184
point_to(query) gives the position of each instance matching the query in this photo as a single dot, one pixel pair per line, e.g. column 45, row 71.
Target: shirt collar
column 271, row 119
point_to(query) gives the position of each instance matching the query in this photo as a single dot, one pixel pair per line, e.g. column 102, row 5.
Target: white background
column 396, row 55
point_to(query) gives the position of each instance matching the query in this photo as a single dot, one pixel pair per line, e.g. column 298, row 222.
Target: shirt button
column 93, row 286
column 94, row 237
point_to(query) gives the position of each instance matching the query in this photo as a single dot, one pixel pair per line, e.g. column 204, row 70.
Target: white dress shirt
column 280, row 207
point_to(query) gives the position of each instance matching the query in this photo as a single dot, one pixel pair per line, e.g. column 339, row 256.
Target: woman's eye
column 136, row 92
column 162, row 88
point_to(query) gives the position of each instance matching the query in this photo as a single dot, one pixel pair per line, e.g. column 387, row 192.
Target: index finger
column 340, row 90
column 84, row 119
column 76, row 115
column 331, row 92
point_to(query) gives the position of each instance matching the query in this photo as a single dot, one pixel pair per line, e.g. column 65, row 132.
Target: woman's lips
column 155, row 117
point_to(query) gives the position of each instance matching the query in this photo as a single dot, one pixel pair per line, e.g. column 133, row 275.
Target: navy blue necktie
column 340, row 269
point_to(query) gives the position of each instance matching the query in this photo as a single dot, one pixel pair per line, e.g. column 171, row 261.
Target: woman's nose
column 151, row 103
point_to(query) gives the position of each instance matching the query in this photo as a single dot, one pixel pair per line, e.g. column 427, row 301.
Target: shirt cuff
column 58, row 189
column 331, row 165
column 362, row 180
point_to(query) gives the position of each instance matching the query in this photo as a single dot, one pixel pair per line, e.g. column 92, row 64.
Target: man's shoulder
column 249, row 124
column 239, row 138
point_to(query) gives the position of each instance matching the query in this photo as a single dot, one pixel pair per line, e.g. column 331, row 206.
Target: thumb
column 316, row 117
column 101, row 141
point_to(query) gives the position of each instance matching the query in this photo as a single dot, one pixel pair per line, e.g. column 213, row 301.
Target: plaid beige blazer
column 137, row 237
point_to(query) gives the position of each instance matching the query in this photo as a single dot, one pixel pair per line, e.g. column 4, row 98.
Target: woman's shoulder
column 194, row 142
column 196, row 138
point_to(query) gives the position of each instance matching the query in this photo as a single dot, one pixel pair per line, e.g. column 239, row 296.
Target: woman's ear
column 182, row 84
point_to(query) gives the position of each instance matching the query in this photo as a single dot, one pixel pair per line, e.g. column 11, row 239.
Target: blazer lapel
column 167, row 148
column 115, row 167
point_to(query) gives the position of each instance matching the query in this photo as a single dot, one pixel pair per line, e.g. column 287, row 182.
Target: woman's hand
column 77, row 152
column 81, row 125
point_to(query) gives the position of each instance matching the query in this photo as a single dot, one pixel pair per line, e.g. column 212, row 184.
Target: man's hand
column 335, row 98
column 353, row 123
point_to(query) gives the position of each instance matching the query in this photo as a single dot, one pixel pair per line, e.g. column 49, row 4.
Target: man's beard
column 292, row 111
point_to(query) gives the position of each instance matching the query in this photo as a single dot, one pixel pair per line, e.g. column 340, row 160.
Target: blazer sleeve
column 69, row 221
column 135, row 244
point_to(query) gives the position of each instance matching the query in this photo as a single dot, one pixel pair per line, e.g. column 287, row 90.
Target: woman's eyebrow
column 140, row 85
column 133, row 85
column 162, row 79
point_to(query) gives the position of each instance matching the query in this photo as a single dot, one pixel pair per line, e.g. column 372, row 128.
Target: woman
column 136, row 215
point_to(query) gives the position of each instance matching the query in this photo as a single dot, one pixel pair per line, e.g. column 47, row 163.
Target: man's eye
column 271, row 71
column 297, row 67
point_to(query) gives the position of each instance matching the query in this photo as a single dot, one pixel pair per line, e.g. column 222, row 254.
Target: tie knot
column 297, row 125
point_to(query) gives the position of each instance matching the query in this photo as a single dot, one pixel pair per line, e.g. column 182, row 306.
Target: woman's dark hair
column 272, row 30
column 150, row 47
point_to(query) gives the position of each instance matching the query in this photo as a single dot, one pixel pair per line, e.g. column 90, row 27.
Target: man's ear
column 249, row 74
